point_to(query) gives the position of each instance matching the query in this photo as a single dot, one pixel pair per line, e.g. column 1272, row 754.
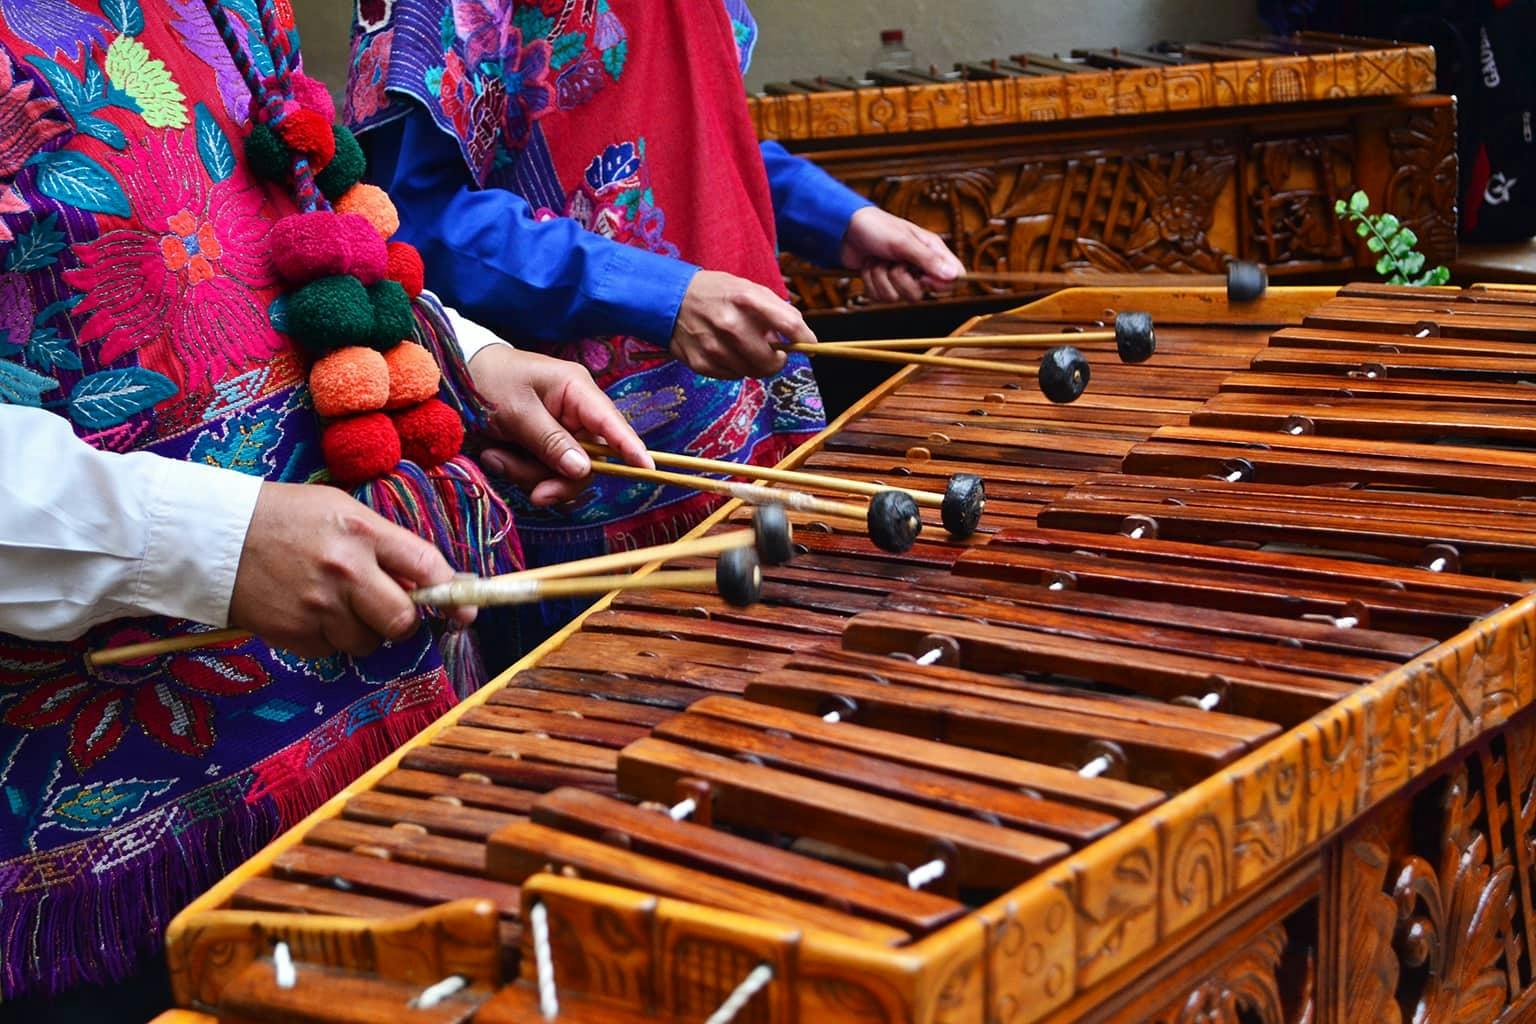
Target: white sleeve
column 472, row 337
column 88, row 536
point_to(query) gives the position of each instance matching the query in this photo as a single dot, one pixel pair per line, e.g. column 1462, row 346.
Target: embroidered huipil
column 136, row 316
column 565, row 168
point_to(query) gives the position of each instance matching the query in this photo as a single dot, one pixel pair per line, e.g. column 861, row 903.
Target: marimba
column 1171, row 159
column 1223, row 715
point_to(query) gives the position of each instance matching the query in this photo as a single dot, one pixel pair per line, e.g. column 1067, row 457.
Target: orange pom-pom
column 310, row 134
column 413, row 375
column 371, row 202
column 430, row 433
column 405, row 267
column 360, row 448
column 349, row 381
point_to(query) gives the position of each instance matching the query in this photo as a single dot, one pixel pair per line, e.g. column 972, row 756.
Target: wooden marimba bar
column 1219, row 712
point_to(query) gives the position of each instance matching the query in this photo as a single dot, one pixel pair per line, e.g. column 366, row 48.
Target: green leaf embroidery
column 614, row 58
column 532, row 22
column 53, row 309
column 46, row 350
column 126, row 15
column 21, row 386
column 567, row 48
column 69, row 89
column 37, row 247
column 110, row 397
column 76, row 179
column 98, row 128
column 213, row 145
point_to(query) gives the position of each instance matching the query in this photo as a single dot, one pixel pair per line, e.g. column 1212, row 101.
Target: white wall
column 810, row 37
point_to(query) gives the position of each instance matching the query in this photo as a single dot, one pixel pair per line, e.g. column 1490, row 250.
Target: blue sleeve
column 810, row 207
column 490, row 259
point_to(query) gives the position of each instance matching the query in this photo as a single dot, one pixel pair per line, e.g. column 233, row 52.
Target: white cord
column 1137, row 533
column 1423, row 333
column 683, row 809
column 1209, row 701
column 544, row 960
column 434, row 994
column 1298, row 429
column 1058, row 585
column 833, row 717
column 282, row 966
column 1347, row 622
column 750, row 986
column 1098, row 766
column 1237, row 474
column 929, row 657
column 925, row 873
column 1438, row 565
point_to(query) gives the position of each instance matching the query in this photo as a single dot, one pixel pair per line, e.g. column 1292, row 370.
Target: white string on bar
column 755, row 981
column 286, row 974
column 436, row 993
column 925, row 873
column 544, row 960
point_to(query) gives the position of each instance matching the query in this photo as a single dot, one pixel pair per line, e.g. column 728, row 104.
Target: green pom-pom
column 392, row 318
column 331, row 313
column 266, row 154
column 346, row 167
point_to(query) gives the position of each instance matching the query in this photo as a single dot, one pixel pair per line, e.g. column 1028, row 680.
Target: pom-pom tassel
column 435, row 334
column 462, row 661
column 455, row 508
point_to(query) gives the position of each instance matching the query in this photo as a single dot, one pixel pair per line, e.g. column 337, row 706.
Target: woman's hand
column 896, row 258
column 540, row 404
column 321, row 572
column 729, row 327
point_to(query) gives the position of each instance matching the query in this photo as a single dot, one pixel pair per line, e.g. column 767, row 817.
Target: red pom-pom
column 313, row 95
column 309, row 246
column 430, row 433
column 310, row 134
column 360, row 448
column 406, row 268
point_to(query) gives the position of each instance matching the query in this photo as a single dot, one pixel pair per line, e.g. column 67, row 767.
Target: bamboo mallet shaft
column 505, row 590
column 880, row 355
column 753, row 494
column 1094, row 279
column 929, row 499
column 973, row 341
column 170, row 645
column 692, row 548
column 699, row 547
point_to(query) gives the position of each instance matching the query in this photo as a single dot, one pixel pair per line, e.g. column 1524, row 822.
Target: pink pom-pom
column 309, row 246
column 313, row 95
column 369, row 256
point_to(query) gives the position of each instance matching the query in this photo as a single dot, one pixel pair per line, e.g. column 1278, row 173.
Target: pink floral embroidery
column 365, row 90
column 27, row 122
column 168, row 699
column 179, row 283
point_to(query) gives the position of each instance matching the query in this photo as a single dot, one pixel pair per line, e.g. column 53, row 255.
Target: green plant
column 1384, row 234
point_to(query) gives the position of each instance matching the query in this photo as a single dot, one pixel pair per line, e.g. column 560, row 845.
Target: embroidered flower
column 619, row 165
column 578, row 83
column 365, row 89
column 179, row 282
column 131, row 69
column 167, row 700
column 27, row 122
column 524, row 74
column 374, row 14
column 192, row 246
